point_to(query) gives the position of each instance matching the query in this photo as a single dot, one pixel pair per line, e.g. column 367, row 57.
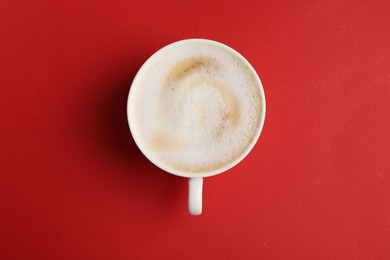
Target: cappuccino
column 195, row 107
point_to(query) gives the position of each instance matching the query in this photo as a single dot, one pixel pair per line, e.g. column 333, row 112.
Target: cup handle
column 195, row 187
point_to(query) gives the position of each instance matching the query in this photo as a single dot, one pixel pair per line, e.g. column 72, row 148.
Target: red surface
column 74, row 186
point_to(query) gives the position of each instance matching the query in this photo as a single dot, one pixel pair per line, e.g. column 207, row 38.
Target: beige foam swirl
column 180, row 99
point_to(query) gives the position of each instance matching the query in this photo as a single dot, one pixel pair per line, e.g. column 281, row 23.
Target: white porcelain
column 196, row 179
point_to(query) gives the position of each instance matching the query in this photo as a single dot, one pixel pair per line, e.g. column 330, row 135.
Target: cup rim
column 225, row 167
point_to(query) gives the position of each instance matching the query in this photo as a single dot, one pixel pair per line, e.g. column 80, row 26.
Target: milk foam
column 196, row 108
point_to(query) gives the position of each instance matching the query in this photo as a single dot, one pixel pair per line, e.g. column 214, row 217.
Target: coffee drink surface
column 195, row 108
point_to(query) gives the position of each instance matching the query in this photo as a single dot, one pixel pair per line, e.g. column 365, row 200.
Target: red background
column 74, row 185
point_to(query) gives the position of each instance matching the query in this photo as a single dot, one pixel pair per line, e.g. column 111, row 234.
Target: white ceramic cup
column 195, row 180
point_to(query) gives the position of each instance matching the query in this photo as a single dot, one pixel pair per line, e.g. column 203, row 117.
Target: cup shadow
column 159, row 189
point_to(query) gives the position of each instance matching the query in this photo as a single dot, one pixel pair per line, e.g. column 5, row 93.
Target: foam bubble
column 197, row 108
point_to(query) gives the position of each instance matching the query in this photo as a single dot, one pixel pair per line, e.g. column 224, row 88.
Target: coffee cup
column 195, row 109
